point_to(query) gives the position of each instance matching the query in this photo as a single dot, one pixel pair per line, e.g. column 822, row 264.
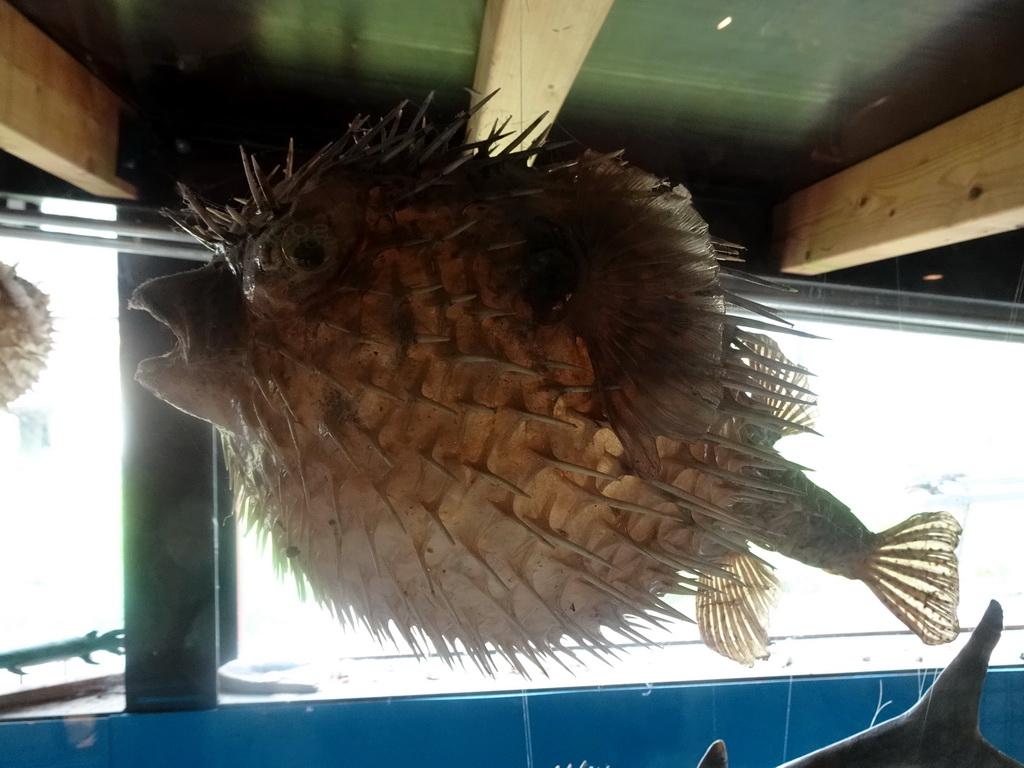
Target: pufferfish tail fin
column 732, row 613
column 913, row 570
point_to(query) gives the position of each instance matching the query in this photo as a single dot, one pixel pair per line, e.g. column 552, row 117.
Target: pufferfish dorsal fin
column 784, row 383
column 732, row 613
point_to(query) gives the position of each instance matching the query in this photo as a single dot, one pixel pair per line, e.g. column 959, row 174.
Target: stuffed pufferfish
column 496, row 405
column 26, row 335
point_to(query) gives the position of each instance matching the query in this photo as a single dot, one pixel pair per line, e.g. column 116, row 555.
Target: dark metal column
column 170, row 530
column 227, row 559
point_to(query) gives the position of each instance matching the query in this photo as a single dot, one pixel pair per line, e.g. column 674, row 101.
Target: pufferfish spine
column 494, row 407
column 26, row 335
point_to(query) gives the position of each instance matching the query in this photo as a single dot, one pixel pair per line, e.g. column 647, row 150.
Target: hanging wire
column 1018, row 294
column 526, row 729
column 526, row 696
column 789, row 714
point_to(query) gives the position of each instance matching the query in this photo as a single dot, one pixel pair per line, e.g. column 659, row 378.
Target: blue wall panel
column 74, row 742
column 763, row 723
column 449, row 732
column 1002, row 711
column 658, row 727
column 662, row 726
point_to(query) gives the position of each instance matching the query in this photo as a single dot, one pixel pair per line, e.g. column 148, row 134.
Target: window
column 60, row 463
column 911, row 392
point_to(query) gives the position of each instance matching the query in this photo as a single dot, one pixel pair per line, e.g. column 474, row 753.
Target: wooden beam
column 959, row 181
column 532, row 51
column 54, row 113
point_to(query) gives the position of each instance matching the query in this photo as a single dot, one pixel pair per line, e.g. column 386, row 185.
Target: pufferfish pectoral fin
column 912, row 569
column 732, row 614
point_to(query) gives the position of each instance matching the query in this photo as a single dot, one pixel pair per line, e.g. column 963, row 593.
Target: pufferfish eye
column 307, row 248
column 309, row 254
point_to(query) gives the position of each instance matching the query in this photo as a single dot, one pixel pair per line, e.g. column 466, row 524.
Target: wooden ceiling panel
column 961, row 180
column 54, row 113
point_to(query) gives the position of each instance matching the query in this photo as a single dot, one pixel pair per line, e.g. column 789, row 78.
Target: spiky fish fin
column 732, row 613
column 913, row 571
column 726, row 251
column 786, row 384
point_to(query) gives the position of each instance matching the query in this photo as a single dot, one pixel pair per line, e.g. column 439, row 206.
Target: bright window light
column 60, row 464
column 56, row 206
column 98, row 211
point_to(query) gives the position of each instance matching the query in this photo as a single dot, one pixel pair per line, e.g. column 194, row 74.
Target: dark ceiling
column 788, row 93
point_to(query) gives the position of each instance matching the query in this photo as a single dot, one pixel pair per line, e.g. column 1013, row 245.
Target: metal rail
column 120, row 228
column 803, row 301
column 121, row 244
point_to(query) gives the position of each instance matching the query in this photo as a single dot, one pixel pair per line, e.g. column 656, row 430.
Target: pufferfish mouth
column 204, row 308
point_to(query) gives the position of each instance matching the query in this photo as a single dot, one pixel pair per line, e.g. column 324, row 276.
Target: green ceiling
column 790, row 91
column 776, row 72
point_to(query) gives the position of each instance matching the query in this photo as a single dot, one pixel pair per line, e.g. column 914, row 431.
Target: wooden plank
column 959, row 181
column 69, row 696
column 532, row 51
column 54, row 113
